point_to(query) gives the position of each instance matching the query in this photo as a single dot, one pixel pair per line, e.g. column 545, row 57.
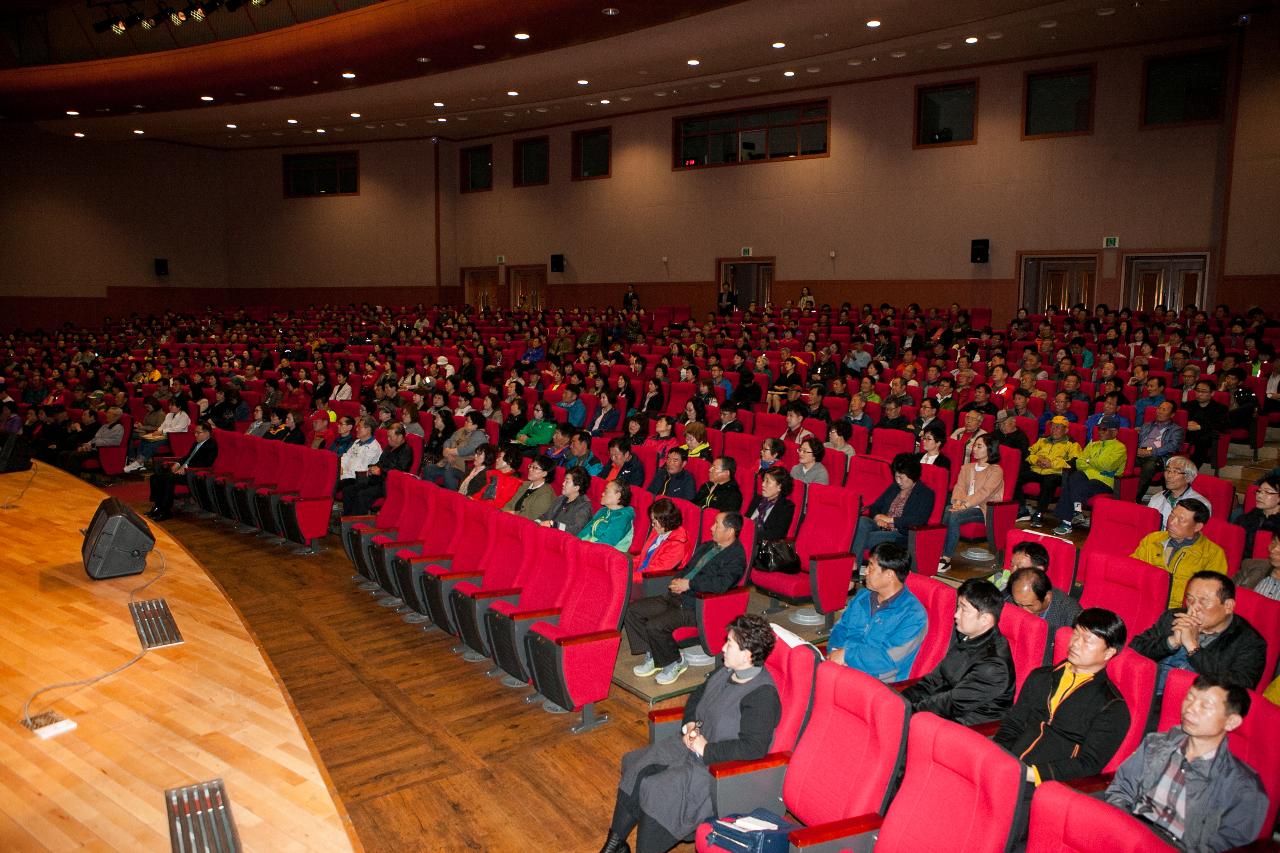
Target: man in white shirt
column 362, row 453
column 1179, row 473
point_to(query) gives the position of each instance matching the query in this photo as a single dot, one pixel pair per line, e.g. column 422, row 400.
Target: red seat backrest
column 831, row 517
column 955, row 778
column 1135, row 591
column 1027, row 636
column 600, row 580
column 939, row 601
column 793, row 663
column 1264, row 615
column 1227, row 536
column 552, row 556
column 853, row 714
column 1220, row 493
column 1062, row 555
column 321, row 469
column 936, row 479
column 770, row 425
column 888, row 443
column 1118, row 526
column 1064, row 820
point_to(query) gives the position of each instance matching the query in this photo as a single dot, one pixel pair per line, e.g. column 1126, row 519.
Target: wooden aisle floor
column 424, row 750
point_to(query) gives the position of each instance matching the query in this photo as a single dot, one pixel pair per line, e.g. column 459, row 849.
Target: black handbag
column 727, row 835
column 778, row 556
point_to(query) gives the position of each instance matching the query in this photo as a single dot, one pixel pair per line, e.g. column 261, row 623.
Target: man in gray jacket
column 1186, row 784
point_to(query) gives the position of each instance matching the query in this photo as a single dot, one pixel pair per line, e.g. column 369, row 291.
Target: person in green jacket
column 614, row 523
column 538, row 430
column 1096, row 469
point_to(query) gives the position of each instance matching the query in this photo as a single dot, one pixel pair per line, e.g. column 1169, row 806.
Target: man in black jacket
column 1206, row 636
column 1206, row 419
column 714, row 567
column 670, row 480
column 359, row 494
column 974, row 682
column 728, row 418
column 721, row 489
column 629, row 469
column 162, row 484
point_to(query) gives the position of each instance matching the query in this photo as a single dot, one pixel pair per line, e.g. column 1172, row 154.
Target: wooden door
column 480, row 288
column 527, row 284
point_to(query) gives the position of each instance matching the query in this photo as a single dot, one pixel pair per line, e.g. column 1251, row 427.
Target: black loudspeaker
column 162, row 266
column 15, row 453
column 116, row 543
column 980, row 251
column 557, row 263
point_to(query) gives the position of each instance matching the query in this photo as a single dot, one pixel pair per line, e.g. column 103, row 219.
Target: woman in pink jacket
column 980, row 481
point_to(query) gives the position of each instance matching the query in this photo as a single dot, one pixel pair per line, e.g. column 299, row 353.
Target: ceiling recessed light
column 73, row 112
column 277, row 133
column 778, row 45
column 788, row 73
column 424, row 59
column 813, row 69
column 609, row 10
column 276, row 88
column 438, row 104
column 855, row 62
column 349, row 75
column 944, row 45
column 291, row 121
column 604, row 100
column 513, row 93
column 971, row 40
column 1105, row 11
column 139, row 132
column 1048, row 25
column 241, row 94
column 355, row 115
column 995, row 35
column 898, row 54
column 206, row 97
column 370, row 127
column 320, row 130
column 231, row 127
column 78, row 135
column 694, row 62
column 873, row 23
column 522, row 36
column 584, row 82
column 477, row 47
column 753, row 79
column 442, row 119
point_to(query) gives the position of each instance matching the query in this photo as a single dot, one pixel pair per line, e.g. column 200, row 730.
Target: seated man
column 623, row 465
column 459, row 449
column 1206, row 420
column 1186, row 784
column 728, row 418
column 881, row 630
column 362, row 453
column 974, row 681
column 1046, row 463
column 715, row 567
column 580, row 454
column 1153, row 396
column 109, row 434
column 1095, row 474
column 163, row 483
column 1179, row 473
column 1030, row 588
column 891, row 417
column 1206, row 636
column 1070, row 719
column 1110, row 409
column 359, row 494
column 721, row 489
column 670, row 480
column 575, row 410
column 1181, row 548
column 1157, row 441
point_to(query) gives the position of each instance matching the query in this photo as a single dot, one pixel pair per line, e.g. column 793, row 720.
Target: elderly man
column 1157, row 442
column 623, row 465
column 359, row 494
column 1096, row 469
column 362, row 453
column 671, row 479
column 1179, row 473
column 109, row 434
column 1029, row 587
column 1046, row 463
column 1181, row 548
column 1153, row 396
column 721, row 490
column 714, row 567
column 163, row 483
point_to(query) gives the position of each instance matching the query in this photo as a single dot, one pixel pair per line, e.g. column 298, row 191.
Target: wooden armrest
column 666, row 715
column 725, row 769
column 593, row 637
column 1091, row 784
column 846, row 828
column 537, row 614
column 495, row 593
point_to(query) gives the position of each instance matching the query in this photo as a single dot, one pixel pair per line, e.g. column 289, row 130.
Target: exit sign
column 1110, row 242
column 746, row 251
column 502, row 259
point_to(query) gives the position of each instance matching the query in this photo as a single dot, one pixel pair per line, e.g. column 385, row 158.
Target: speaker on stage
column 15, row 453
column 116, row 543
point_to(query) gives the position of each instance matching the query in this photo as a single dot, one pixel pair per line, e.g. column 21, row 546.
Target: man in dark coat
column 714, row 567
column 721, row 489
column 1206, row 635
column 163, row 483
column 1206, row 420
column 1030, row 588
column 670, row 480
column 359, row 494
column 974, row 681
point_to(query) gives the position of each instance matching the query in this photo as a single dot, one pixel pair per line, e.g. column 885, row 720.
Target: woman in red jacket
column 668, row 545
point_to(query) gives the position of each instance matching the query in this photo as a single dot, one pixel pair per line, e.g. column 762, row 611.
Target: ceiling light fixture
column 694, row 62
column 1048, row 25
column 206, row 97
column 855, row 62
column 73, row 112
column 584, row 82
column 355, row 115
column 513, row 93
column 609, row 11
column 522, row 36
column 995, row 35
column 231, row 127
column 424, row 59
column 873, row 23
column 477, row 47
column 944, row 45
column 291, row 121
column 139, row 132
column 788, row 73
column 971, row 40
column 1105, row 11
column 604, row 100
column 753, row 79
column 320, row 130
column 78, row 135
column 779, row 45
column 442, row 119
column 898, row 54
column 349, row 75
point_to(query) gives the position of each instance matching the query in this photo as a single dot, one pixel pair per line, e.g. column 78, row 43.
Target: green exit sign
column 1110, row 242
column 746, row 251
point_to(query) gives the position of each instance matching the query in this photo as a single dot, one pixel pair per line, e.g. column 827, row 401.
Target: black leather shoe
column 151, row 513
column 162, row 516
column 615, row 844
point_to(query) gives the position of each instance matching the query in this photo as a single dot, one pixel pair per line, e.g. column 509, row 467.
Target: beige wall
column 1252, row 244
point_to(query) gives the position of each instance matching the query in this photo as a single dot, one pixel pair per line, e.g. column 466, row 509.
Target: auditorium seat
column 508, row 565
column 1062, row 555
column 939, row 602
column 356, row 531
column 305, row 516
column 925, row 541
column 1118, row 526
column 819, row 783
column 1220, row 493
column 888, row 443
column 223, row 486
column 1066, row 821
column 1028, row 637
column 266, row 497
column 470, row 555
column 436, row 543
column 1136, row 591
column 548, row 585
column 230, row 446
column 273, row 458
column 1264, row 615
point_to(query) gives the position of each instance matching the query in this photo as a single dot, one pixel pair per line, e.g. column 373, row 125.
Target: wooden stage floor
column 209, row 708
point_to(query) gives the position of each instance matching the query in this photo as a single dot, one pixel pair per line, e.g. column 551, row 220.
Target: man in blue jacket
column 882, row 628
column 576, row 411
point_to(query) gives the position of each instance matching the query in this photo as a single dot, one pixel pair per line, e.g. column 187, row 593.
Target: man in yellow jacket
column 1047, row 460
column 1181, row 549
column 1096, row 469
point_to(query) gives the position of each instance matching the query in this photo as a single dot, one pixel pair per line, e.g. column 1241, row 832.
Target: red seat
column 714, row 611
column 435, row 543
column 888, row 443
column 925, row 542
column 1118, row 527
column 1028, row 636
column 266, row 497
column 853, row 714
column 273, row 459
column 508, row 566
column 1227, row 536
column 305, row 516
column 939, row 602
column 1264, row 615
column 468, row 552
column 1220, row 493
column 506, row 622
column 358, row 530
column 1135, row 591
column 1062, row 555
column 1064, row 820
column 230, row 446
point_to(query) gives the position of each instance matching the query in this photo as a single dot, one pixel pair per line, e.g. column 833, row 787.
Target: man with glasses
column 1096, row 469
column 1206, row 419
column 1179, row 473
column 163, row 484
column 721, row 490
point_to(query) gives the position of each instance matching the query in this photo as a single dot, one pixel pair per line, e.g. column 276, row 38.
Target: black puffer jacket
column 972, row 684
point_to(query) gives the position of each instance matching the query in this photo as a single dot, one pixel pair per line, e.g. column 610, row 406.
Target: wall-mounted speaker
column 557, row 263
column 116, row 542
column 980, row 251
column 162, row 266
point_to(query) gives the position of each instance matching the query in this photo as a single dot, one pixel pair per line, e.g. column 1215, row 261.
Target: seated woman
column 606, row 419
column 772, row 509
column 664, row 436
column 980, row 481
column 260, row 423
column 931, row 440
column 294, row 428
column 538, row 430
column 906, row 503
column 275, row 425
column 486, row 456
column 810, row 468
column 572, row 510
column 695, row 411
column 509, row 429
column 668, row 545
column 695, row 440
column 838, row 435
column 635, row 429
column 654, row 399
column 535, row 495
column 409, row 419
column 771, row 452
column 665, row 788
column 614, row 523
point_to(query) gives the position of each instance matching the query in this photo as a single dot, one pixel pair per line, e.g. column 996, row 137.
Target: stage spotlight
column 119, row 25
column 195, row 12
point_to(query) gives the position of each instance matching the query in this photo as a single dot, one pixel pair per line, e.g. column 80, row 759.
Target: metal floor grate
column 154, row 623
column 200, row 819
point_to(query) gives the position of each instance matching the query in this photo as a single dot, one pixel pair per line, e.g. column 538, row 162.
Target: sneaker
column 1037, row 520
column 1023, row 512
column 135, row 465
column 671, row 672
column 944, row 565
column 645, row 668
column 1063, row 529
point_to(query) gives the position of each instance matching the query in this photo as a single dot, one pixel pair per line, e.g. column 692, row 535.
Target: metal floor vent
column 200, row 819
column 154, row 623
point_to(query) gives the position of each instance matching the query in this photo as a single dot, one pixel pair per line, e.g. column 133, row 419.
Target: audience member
column 1095, row 474
column 810, row 468
column 163, row 483
column 614, row 523
column 906, row 503
column 359, row 494
column 881, row 629
column 671, row 479
column 535, row 496
column 771, row 510
column 1046, row 462
column 1181, row 548
column 979, row 483
column 623, row 465
column 572, row 510
column 1158, row 440
column 1264, row 518
column 721, row 490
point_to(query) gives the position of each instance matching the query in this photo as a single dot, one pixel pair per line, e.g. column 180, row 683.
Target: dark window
column 308, row 175
column 591, row 153
column 1059, row 102
column 530, row 162
column 475, row 168
column 946, row 115
column 749, row 136
column 1188, row 87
